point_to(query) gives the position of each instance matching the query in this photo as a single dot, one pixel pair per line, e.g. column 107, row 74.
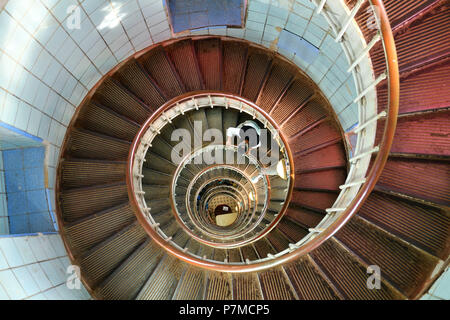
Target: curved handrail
column 364, row 191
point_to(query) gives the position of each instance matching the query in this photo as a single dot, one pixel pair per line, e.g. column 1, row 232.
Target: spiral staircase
column 137, row 224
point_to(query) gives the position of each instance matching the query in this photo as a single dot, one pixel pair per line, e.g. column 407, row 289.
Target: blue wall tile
column 13, row 159
column 41, row 222
column 19, row 224
column 34, row 178
column 27, row 205
column 37, row 201
column 14, row 180
column 33, row 157
column 17, row 203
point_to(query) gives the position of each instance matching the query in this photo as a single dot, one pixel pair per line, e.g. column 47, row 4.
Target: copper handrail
column 355, row 205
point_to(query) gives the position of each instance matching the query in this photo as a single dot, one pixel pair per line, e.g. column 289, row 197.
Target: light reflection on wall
column 113, row 18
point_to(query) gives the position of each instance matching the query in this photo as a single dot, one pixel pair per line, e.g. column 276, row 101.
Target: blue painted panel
column 195, row 14
column 28, row 207
column 16, row 203
column 37, row 201
column 15, row 180
column 13, row 159
column 19, row 224
column 34, row 178
column 33, row 157
column 40, row 222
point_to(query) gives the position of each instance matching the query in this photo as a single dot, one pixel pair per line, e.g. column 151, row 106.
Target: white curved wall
column 35, row 267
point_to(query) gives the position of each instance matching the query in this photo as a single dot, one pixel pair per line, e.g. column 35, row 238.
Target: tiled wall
column 35, row 267
column 27, row 203
column 48, row 64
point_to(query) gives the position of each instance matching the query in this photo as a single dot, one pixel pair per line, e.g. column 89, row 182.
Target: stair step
column 209, row 54
column 303, row 216
column 230, row 119
column 163, row 281
column 402, row 265
column 103, row 258
column 421, row 44
column 407, row 176
column 89, row 231
column 399, row 12
column 181, row 238
column 160, row 68
column 156, row 191
column 280, row 76
column 318, row 136
column 298, row 92
column 426, row 134
column 234, row 255
column 191, row 285
column 125, row 282
column 249, row 253
column 278, row 241
column 159, row 205
column 310, row 113
column 418, row 91
column 214, row 117
column 134, row 77
column 163, row 217
column 425, row 227
column 258, row 66
column 199, row 117
column 292, row 230
column 220, row 254
column 90, row 145
column 275, row 285
column 308, row 282
column 218, row 286
column 95, row 117
column 80, row 202
column 348, row 275
column 313, row 199
column 246, row 287
column 330, row 157
column 161, row 147
column 184, row 58
column 327, row 180
column 115, row 96
column 155, row 177
column 85, row 172
column 206, row 251
column 234, row 65
column 159, row 163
